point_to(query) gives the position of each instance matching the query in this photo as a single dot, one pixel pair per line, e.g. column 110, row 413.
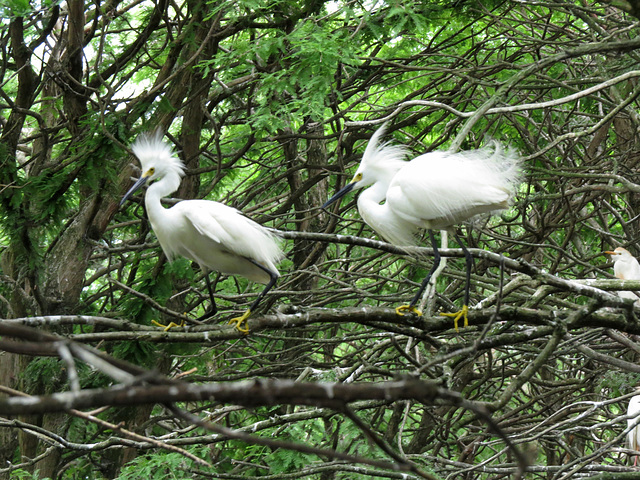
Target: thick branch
column 248, row 393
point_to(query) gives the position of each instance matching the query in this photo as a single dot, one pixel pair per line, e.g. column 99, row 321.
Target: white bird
column 625, row 267
column 633, row 435
column 436, row 190
column 216, row 236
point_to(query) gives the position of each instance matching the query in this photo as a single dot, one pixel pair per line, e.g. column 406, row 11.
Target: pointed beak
column 341, row 193
column 610, row 253
column 136, row 186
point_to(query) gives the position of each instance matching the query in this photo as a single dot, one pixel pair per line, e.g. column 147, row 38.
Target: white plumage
column 436, row 190
column 214, row 235
column 633, row 436
column 625, row 267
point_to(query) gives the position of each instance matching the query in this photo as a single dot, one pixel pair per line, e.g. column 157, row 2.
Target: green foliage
column 45, row 375
column 159, row 466
column 277, row 67
column 15, row 8
column 180, row 268
column 619, row 384
column 24, row 475
column 283, row 461
column 299, row 69
column 137, row 352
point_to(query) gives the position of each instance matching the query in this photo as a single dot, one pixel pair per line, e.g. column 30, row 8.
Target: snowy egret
column 215, row 236
column 436, row 190
column 625, row 267
column 633, row 435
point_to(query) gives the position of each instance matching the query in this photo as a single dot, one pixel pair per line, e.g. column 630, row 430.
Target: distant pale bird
column 625, row 267
column 215, row 236
column 633, row 436
column 436, row 190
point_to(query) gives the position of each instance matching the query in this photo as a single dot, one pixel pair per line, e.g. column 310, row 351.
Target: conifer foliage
column 270, row 106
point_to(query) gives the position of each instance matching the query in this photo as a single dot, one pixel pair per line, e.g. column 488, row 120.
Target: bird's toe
column 458, row 315
column 404, row 309
column 171, row 325
column 238, row 321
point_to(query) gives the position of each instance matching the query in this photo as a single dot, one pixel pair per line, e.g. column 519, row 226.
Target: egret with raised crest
column 437, row 190
column 214, row 235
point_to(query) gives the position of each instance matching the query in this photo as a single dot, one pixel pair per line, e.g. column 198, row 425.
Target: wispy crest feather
column 150, row 147
column 389, row 156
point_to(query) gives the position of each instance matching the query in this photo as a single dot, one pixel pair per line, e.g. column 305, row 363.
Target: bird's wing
column 233, row 231
column 440, row 189
column 634, row 433
column 633, row 272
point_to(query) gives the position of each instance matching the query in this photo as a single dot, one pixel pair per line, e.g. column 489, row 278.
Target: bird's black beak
column 136, row 186
column 341, row 193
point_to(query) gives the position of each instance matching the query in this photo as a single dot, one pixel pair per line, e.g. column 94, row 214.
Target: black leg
column 469, row 265
column 436, row 263
column 268, row 286
column 213, row 309
column 465, row 308
column 273, row 278
column 401, row 310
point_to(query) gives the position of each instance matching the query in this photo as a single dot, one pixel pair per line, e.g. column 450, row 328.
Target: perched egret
column 633, row 436
column 625, row 267
column 214, row 235
column 436, row 190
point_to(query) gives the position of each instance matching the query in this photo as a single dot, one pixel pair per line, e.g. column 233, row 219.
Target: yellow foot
column 166, row 328
column 456, row 316
column 240, row 320
column 403, row 309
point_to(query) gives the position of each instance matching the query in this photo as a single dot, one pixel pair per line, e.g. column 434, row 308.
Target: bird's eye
column 358, row 177
column 151, row 171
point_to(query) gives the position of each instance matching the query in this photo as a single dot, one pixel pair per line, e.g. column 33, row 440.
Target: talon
column 457, row 315
column 403, row 309
column 239, row 320
column 166, row 328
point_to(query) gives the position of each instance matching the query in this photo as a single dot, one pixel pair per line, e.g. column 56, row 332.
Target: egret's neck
column 390, row 226
column 156, row 191
column 369, row 204
column 373, row 195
